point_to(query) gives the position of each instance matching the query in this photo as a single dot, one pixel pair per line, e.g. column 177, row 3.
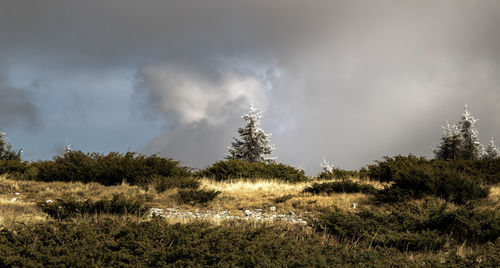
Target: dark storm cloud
column 16, row 106
column 351, row 80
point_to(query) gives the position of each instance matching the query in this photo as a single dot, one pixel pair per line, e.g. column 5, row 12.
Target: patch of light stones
column 256, row 214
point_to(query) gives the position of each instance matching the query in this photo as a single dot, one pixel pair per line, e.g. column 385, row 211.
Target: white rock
column 13, row 199
column 16, row 193
column 49, row 201
column 272, row 208
column 248, row 213
column 354, row 205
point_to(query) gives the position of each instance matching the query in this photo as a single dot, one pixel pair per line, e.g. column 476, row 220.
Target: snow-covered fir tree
column 491, row 151
column 471, row 147
column 6, row 151
column 450, row 145
column 253, row 144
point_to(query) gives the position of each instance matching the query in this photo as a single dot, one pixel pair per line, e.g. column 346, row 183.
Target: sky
column 351, row 81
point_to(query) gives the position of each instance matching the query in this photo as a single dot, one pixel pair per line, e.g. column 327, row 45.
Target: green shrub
column 191, row 196
column 468, row 224
column 161, row 184
column 110, row 169
column 62, row 209
column 338, row 174
column 236, row 169
column 340, row 187
column 108, row 242
column 410, row 226
column 13, row 167
column 397, row 229
column 421, row 180
column 485, row 171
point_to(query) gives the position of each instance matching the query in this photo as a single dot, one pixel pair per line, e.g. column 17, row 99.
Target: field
column 250, row 223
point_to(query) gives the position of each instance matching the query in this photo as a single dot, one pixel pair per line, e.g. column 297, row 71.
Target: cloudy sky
column 349, row 80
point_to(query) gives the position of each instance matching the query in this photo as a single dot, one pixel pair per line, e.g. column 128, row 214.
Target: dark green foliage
column 113, row 243
column 340, row 187
column 191, row 196
column 110, row 169
column 161, row 184
column 338, row 174
column 485, row 171
column 411, row 227
column 62, row 209
column 236, row 169
column 13, row 167
column 419, row 181
column 467, row 224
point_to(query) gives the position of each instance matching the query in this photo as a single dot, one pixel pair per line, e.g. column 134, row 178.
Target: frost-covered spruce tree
column 253, row 144
column 471, row 148
column 6, row 151
column 491, row 151
column 450, row 145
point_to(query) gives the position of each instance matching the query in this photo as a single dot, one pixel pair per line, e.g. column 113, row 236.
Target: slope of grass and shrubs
column 124, row 243
column 237, row 169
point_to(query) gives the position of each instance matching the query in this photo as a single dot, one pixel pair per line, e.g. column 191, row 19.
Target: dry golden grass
column 236, row 196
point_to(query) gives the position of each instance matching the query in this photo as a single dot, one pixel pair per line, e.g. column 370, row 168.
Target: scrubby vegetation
column 485, row 171
column 118, row 204
column 340, row 187
column 191, row 196
column 431, row 225
column 338, row 174
column 110, row 169
column 237, row 169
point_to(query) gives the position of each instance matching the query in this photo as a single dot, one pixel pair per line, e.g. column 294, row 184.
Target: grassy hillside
column 249, row 223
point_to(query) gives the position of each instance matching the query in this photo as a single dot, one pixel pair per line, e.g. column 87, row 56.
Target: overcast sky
column 349, row 80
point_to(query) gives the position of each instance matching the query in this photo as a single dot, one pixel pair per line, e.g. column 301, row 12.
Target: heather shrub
column 339, row 187
column 118, row 204
column 110, row 169
column 192, row 196
column 236, row 169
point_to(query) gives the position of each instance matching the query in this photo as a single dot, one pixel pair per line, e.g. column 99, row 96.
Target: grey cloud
column 16, row 106
column 354, row 80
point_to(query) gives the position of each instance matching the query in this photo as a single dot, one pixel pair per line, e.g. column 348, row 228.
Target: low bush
column 412, row 227
column 161, row 184
column 118, row 204
column 340, row 187
column 116, row 243
column 110, row 169
column 192, row 196
column 338, row 174
column 236, row 169
column 484, row 171
column 13, row 167
column 419, row 181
